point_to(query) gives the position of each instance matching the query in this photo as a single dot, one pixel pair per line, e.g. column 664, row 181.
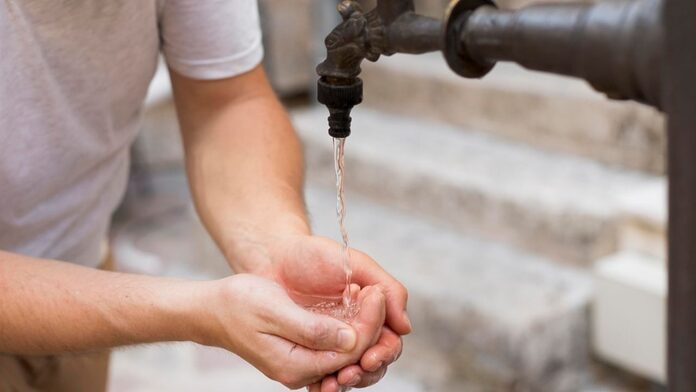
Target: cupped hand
column 312, row 267
column 255, row 318
column 362, row 375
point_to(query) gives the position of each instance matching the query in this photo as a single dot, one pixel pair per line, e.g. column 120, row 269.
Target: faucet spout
column 391, row 27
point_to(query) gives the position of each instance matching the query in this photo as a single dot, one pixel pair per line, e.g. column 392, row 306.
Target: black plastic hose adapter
column 339, row 97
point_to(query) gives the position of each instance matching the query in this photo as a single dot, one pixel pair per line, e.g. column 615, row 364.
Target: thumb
column 311, row 330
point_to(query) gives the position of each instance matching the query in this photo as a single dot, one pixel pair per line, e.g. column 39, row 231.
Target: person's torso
column 73, row 76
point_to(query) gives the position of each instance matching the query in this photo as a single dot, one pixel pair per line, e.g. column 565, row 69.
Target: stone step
column 548, row 111
column 557, row 205
column 495, row 316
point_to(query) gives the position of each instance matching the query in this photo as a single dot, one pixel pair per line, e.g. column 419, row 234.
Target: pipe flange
column 456, row 55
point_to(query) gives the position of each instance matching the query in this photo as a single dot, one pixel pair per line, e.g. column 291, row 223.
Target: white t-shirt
column 73, row 77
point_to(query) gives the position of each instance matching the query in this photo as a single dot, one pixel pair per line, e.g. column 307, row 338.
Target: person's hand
column 370, row 370
column 255, row 318
column 312, row 267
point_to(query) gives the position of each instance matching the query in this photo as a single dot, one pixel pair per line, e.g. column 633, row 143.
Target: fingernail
column 353, row 381
column 408, row 320
column 376, row 367
column 346, row 339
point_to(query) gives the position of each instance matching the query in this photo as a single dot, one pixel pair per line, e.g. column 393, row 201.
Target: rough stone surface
column 553, row 112
column 553, row 204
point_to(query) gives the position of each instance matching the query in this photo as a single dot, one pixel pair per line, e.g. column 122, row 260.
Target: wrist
column 249, row 249
column 214, row 313
column 178, row 305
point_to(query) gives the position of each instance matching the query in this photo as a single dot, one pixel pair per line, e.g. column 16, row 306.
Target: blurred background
column 525, row 213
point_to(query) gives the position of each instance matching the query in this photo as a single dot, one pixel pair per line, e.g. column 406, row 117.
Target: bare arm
column 244, row 163
column 49, row 307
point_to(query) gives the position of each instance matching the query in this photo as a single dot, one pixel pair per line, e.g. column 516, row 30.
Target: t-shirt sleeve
column 211, row 39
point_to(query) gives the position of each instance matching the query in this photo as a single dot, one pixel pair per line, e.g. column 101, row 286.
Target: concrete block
column 629, row 313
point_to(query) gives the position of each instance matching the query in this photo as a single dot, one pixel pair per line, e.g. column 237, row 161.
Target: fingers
column 374, row 362
column 370, row 299
column 329, row 384
column 350, row 376
column 367, row 324
column 370, row 319
column 366, row 272
column 302, row 366
column 371, row 378
column 386, row 351
column 311, row 330
column 355, row 376
column 291, row 365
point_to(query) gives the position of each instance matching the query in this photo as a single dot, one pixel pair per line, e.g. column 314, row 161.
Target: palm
column 311, row 269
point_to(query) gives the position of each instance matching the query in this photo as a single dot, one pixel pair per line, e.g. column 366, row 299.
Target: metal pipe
column 390, row 10
column 615, row 46
column 414, row 34
column 680, row 105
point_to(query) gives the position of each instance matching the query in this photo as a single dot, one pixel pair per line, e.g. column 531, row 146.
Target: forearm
column 245, row 169
column 49, row 307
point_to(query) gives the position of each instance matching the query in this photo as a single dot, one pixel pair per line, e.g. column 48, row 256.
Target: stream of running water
column 346, row 309
column 339, row 166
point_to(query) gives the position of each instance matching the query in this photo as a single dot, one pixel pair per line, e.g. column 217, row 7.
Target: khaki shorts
column 55, row 373
column 86, row 372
